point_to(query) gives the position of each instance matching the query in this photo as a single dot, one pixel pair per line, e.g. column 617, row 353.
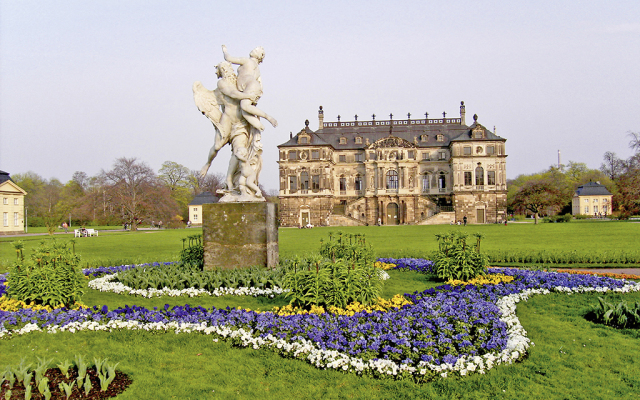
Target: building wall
column 11, row 209
column 195, row 214
column 590, row 205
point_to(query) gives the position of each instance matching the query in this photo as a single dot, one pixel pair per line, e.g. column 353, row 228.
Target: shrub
column 193, row 255
column 352, row 248
column 50, row 277
column 176, row 276
column 319, row 281
column 455, row 259
column 621, row 315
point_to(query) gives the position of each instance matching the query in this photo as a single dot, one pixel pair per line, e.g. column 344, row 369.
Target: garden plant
column 443, row 341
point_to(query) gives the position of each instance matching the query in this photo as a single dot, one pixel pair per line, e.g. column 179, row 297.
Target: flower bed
column 450, row 329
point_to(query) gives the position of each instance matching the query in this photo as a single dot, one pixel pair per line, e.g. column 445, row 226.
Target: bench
column 87, row 232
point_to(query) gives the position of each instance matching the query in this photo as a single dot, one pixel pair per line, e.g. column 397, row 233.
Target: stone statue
column 231, row 107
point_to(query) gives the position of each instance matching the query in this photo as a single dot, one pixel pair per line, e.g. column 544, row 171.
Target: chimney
column 462, row 112
column 320, row 118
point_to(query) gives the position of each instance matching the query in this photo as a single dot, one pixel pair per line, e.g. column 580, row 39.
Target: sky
column 83, row 83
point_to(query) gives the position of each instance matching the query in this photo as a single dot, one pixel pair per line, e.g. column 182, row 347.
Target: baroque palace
column 395, row 171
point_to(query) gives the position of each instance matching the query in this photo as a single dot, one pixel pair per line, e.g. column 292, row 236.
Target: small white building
column 591, row 199
column 11, row 205
column 195, row 207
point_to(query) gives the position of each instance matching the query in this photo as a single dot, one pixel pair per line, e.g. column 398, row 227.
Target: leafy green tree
column 538, row 196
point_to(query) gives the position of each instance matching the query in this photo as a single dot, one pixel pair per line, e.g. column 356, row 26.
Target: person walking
column 464, row 220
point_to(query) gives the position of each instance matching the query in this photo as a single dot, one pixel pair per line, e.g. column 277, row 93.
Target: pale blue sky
column 83, row 83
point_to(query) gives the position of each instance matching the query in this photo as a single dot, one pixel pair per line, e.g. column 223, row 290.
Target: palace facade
column 395, row 171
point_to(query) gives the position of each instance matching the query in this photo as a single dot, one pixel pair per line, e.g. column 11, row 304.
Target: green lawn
column 387, row 241
column 572, row 358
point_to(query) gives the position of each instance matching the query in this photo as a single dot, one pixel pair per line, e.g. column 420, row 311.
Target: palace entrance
column 392, row 214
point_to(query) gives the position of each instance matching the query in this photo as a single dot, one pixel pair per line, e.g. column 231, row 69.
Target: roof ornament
column 356, row 117
column 475, row 117
column 408, row 115
column 306, row 123
column 321, row 111
column 444, row 114
column 426, row 115
column 391, row 116
column 373, row 116
column 338, row 118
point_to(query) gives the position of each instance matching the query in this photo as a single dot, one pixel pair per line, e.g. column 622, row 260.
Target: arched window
column 426, row 182
column 479, row 176
column 392, row 179
column 343, row 184
column 304, row 180
column 442, row 182
column 358, row 183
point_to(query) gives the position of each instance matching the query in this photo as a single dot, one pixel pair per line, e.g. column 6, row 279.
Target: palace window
column 411, row 154
column 304, row 181
column 424, row 138
column 426, row 182
column 15, row 219
column 358, row 183
column 293, row 183
column 359, row 157
column 440, row 138
column 5, row 200
column 392, row 179
column 358, row 139
column 442, row 182
column 443, row 155
column 467, row 150
column 586, row 209
column 342, row 158
column 426, row 156
column 5, row 218
column 315, row 182
column 303, row 140
column 479, row 176
column 491, row 177
column 467, row 178
column 15, row 201
column 343, row 140
column 292, row 155
column 479, row 134
column 491, row 149
column 315, row 154
column 343, row 184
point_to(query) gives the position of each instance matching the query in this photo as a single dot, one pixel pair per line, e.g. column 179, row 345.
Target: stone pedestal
column 240, row 235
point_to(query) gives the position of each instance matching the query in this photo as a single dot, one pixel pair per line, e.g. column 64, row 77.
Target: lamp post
column 26, row 221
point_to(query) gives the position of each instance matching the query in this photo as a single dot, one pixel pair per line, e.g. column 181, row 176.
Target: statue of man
column 226, row 96
column 249, row 81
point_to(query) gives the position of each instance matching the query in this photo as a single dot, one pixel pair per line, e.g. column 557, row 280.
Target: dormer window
column 424, row 138
column 303, row 140
column 440, row 138
column 358, row 140
column 478, row 133
column 343, row 140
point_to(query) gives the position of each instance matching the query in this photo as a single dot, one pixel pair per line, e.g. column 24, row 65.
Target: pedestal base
column 240, row 235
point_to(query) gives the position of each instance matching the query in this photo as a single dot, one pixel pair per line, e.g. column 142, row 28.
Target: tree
column 538, row 196
column 628, row 183
column 137, row 193
column 175, row 178
column 612, row 166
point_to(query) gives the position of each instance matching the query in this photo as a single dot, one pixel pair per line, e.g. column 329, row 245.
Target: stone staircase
column 441, row 218
column 343, row 220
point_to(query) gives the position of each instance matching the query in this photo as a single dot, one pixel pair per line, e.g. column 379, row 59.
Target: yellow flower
column 492, row 279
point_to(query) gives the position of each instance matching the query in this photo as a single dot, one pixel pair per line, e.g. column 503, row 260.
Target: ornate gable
column 391, row 141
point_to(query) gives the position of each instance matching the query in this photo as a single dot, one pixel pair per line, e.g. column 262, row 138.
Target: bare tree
column 612, row 166
column 136, row 191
